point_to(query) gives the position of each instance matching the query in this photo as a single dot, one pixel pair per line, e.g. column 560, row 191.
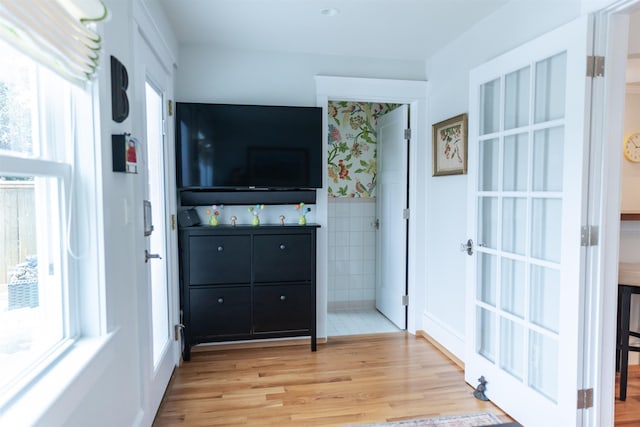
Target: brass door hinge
column 585, row 398
column 589, row 235
column 176, row 331
column 595, row 66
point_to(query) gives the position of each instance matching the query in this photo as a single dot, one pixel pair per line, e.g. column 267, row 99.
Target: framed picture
column 450, row 146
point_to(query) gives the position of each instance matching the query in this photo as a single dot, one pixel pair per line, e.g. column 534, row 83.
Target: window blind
column 59, row 34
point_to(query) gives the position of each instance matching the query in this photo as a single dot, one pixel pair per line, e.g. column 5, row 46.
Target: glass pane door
column 519, row 222
column 526, row 192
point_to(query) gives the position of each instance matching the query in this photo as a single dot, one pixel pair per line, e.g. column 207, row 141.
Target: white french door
column 527, row 190
column 391, row 201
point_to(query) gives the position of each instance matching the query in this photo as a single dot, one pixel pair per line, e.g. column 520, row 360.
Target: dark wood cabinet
column 244, row 282
column 219, row 259
column 270, row 302
column 220, row 311
column 282, row 258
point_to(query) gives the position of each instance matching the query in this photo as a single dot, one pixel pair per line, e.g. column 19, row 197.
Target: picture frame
column 449, row 138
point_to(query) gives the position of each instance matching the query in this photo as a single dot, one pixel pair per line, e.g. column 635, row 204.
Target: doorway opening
column 630, row 207
column 356, row 263
column 411, row 93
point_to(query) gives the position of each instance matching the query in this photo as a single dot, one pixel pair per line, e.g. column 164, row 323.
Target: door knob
column 467, row 247
column 148, row 256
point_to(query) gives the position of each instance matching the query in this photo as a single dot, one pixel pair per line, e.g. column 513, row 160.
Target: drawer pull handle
column 220, row 248
column 282, row 246
column 220, row 300
column 282, row 297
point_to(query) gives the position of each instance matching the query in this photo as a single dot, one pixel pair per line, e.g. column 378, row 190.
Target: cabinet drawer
column 219, row 259
column 281, row 308
column 282, row 258
column 220, row 311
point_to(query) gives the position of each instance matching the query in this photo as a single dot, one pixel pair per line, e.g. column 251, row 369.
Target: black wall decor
column 119, row 85
column 118, row 152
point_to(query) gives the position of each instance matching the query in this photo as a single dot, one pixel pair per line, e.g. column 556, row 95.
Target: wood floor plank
column 628, row 412
column 349, row 380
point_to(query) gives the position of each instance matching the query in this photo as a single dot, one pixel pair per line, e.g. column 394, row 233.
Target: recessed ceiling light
column 331, row 11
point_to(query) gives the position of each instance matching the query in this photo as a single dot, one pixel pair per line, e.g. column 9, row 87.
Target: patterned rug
column 471, row 420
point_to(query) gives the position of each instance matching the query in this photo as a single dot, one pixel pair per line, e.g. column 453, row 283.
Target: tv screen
column 225, row 146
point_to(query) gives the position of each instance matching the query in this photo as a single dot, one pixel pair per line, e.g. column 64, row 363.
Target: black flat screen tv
column 227, row 146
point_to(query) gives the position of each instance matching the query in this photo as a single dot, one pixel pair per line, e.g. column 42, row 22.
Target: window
column 37, row 311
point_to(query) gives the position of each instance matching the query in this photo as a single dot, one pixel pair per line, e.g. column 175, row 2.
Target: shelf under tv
column 202, row 197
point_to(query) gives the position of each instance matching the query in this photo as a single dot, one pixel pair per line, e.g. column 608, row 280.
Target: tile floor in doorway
column 368, row 321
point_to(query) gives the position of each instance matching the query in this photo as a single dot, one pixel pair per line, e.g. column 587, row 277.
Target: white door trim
column 154, row 36
column 414, row 93
column 161, row 46
column 611, row 38
column 144, row 32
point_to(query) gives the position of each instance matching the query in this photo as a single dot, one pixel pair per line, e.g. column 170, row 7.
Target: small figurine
column 281, row 219
column 233, row 220
column 213, row 219
column 478, row 393
column 255, row 220
column 302, row 219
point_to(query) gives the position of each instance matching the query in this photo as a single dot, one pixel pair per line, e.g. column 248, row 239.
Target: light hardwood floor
column 349, row 380
column 628, row 412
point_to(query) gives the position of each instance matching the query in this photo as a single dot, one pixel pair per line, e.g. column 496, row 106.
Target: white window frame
column 51, row 124
column 85, row 349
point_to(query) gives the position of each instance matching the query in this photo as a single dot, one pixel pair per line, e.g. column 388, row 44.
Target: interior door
column 526, row 187
column 391, row 202
column 157, row 251
column 158, row 298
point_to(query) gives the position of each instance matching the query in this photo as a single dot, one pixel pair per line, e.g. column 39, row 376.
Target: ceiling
column 387, row 29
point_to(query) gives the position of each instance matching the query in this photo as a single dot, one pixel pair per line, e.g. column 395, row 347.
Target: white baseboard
column 451, row 340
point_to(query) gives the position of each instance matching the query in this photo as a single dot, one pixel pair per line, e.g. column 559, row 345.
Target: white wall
column 634, row 33
column 446, row 206
column 631, row 171
column 207, row 74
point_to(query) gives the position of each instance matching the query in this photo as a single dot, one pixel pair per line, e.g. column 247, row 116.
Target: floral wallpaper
column 352, row 147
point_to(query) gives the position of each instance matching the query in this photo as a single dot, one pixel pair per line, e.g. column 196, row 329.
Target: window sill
column 59, row 390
